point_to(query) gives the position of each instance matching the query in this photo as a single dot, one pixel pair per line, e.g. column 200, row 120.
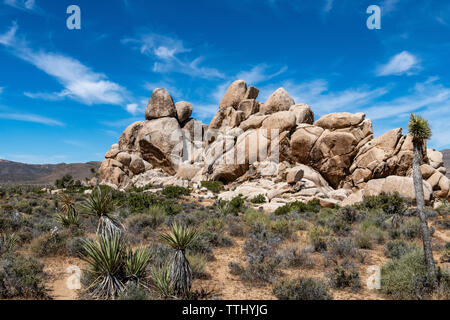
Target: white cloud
column 259, row 73
column 21, row 4
column 328, row 6
column 401, row 63
column 133, row 108
column 316, row 93
column 168, row 55
column 36, row 158
column 79, row 81
column 387, row 6
column 31, row 118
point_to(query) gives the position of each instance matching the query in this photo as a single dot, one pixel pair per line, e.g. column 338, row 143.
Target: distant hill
column 446, row 154
column 21, row 173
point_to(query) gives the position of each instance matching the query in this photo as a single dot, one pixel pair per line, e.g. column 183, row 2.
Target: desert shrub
column 198, row 266
column 261, row 272
column 141, row 225
column 8, row 242
column 259, row 199
column 213, row 186
column 52, row 243
column 234, row 226
column 173, row 192
column 140, row 189
column 407, row 278
column 138, row 202
column 411, row 228
column 252, row 217
column 319, row 238
column 389, row 203
column 217, row 239
column 340, row 279
column 201, row 245
column 74, row 246
column 21, row 277
column 282, row 228
column 351, row 215
column 343, row 248
column 161, row 254
column 157, row 213
column 302, row 289
column 396, row 249
column 235, row 268
column 299, row 207
column 334, row 222
column 369, row 234
column 134, row 291
column 294, row 258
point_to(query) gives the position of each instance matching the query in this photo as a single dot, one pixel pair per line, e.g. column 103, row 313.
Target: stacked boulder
column 275, row 148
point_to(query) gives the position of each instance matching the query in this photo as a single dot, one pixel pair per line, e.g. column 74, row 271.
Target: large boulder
column 235, row 94
column 436, row 158
column 227, row 118
column 283, row 121
column 303, row 140
column 160, row 105
column 160, row 143
column 184, row 111
column 280, row 100
column 340, row 120
column 253, row 122
column 249, row 107
column 404, row 186
column 194, row 130
column 303, row 113
column 128, row 139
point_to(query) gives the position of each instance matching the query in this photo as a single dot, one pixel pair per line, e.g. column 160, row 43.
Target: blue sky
column 67, row 95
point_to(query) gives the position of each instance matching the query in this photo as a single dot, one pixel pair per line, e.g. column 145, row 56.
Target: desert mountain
column 16, row 172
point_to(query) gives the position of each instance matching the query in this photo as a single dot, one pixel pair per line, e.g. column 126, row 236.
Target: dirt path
column 59, row 270
column 228, row 286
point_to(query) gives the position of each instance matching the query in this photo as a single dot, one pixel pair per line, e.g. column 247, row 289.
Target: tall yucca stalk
column 179, row 237
column 100, row 203
column 105, row 257
column 420, row 131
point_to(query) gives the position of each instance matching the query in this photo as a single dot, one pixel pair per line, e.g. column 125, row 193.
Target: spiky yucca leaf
column 105, row 257
column 68, row 205
column 161, row 280
column 419, row 127
column 136, row 262
column 179, row 237
column 7, row 242
column 99, row 203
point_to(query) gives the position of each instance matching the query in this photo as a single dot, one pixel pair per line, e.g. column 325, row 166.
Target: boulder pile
column 275, row 149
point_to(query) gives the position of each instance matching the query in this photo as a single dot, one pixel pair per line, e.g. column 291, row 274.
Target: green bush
column 213, row 186
column 299, row 207
column 407, row 278
column 319, row 237
column 411, row 229
column 21, row 277
column 389, row 203
column 396, row 249
column 173, row 192
column 259, row 199
column 51, row 244
column 133, row 291
column 198, row 265
column 340, row 279
column 302, row 289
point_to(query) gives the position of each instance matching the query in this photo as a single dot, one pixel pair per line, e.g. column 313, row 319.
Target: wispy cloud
column 387, row 6
column 36, row 158
column 79, row 81
column 31, row 118
column 28, row 5
column 170, row 56
column 402, row 63
column 259, row 73
column 328, row 6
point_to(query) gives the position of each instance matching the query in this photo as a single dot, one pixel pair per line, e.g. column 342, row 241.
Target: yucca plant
column 136, row 263
column 68, row 215
column 100, row 203
column 179, row 237
column 7, row 242
column 420, row 131
column 161, row 277
column 106, row 259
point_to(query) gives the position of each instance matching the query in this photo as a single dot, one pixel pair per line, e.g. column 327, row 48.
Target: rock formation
column 273, row 148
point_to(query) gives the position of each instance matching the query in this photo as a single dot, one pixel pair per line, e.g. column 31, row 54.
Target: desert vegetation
column 141, row 244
